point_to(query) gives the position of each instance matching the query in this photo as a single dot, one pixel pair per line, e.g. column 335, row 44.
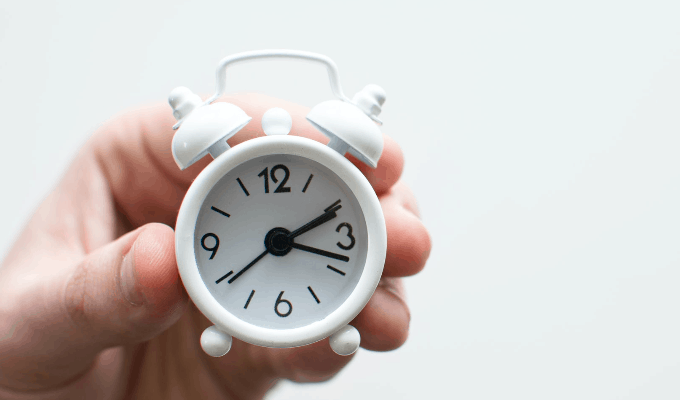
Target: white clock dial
column 256, row 254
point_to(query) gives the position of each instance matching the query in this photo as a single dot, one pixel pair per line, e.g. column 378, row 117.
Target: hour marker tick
column 313, row 294
column 249, row 298
column 243, row 187
column 217, row 210
column 308, row 181
column 335, row 269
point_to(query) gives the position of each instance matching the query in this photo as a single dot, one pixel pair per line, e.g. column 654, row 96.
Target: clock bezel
column 186, row 225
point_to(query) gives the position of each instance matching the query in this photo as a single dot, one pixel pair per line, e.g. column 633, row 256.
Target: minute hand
column 323, row 218
column 319, row 252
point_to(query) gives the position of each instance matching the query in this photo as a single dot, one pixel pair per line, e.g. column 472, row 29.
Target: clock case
column 186, row 259
column 205, row 128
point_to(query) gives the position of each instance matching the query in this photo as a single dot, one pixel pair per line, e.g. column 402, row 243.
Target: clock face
column 280, row 241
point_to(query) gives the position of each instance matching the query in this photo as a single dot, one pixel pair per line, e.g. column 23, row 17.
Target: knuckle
column 76, row 296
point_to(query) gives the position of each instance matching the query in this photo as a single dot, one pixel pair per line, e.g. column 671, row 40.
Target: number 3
column 349, row 235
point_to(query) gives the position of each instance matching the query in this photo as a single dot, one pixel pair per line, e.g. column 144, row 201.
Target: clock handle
column 263, row 54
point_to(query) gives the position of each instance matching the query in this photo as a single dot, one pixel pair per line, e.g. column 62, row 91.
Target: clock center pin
column 277, row 242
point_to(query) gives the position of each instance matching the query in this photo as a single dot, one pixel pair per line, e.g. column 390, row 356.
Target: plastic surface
column 370, row 100
column 214, row 342
column 183, row 101
column 185, row 241
column 346, row 341
column 349, row 129
column 205, row 130
column 276, row 121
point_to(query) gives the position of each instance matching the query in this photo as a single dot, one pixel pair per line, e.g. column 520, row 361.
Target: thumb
column 125, row 292
column 128, row 291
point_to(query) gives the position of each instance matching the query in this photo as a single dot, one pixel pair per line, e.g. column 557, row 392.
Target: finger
column 316, row 362
column 134, row 151
column 384, row 322
column 389, row 169
column 125, row 292
column 128, row 291
column 408, row 242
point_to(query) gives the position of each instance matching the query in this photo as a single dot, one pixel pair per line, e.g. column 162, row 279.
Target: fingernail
column 128, row 280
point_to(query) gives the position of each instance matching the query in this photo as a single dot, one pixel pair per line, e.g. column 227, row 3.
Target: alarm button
column 276, row 121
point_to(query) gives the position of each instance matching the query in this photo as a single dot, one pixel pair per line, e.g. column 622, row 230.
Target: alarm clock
column 281, row 240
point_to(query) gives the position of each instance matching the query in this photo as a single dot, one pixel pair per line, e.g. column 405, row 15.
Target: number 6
column 279, row 300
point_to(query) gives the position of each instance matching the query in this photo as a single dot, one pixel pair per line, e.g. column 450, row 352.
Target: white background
column 541, row 138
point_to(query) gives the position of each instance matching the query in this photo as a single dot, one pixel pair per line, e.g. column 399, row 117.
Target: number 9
column 215, row 247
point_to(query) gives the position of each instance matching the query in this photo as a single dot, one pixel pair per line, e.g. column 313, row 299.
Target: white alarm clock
column 281, row 240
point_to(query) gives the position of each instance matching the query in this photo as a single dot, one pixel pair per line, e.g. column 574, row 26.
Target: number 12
column 282, row 186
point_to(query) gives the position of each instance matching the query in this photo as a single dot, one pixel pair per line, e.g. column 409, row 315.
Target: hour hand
column 319, row 252
column 329, row 214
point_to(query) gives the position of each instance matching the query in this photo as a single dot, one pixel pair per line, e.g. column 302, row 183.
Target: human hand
column 91, row 304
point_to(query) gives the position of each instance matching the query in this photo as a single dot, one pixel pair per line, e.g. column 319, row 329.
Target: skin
column 91, row 303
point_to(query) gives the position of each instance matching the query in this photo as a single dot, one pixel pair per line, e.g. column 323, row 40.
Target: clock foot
column 345, row 341
column 215, row 343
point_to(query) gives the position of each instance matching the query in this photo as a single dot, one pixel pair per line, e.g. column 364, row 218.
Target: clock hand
column 239, row 273
column 328, row 215
column 319, row 252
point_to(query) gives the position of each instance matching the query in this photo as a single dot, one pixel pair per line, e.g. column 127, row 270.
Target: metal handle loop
column 262, row 54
